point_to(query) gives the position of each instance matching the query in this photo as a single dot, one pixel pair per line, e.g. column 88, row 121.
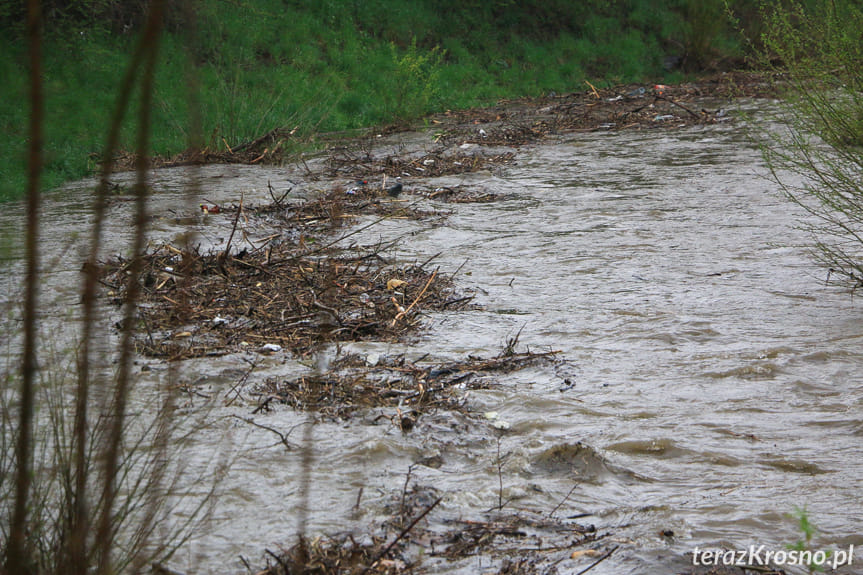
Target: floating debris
column 275, row 297
column 280, row 293
column 409, row 390
column 416, row 538
column 440, row 162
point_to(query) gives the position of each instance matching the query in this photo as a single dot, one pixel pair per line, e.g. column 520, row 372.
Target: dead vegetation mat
column 509, row 123
column 195, row 304
column 413, row 538
column 634, row 106
column 291, row 289
column 360, row 163
column 408, row 389
column 330, row 211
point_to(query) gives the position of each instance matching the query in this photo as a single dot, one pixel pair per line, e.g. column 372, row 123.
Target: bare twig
column 457, row 300
column 422, row 265
column 277, row 201
column 681, row 106
column 404, row 313
column 405, row 488
column 242, row 380
column 282, row 437
column 233, row 229
column 458, row 269
column 285, row 568
column 80, row 520
column 511, row 343
column 305, row 480
column 111, row 451
column 598, row 561
column 499, row 476
column 400, row 536
column 562, row 501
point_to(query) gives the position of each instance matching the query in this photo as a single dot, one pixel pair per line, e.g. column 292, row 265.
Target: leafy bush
column 818, row 159
column 415, row 84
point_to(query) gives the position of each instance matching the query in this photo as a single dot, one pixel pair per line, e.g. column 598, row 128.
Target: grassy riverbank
column 322, row 66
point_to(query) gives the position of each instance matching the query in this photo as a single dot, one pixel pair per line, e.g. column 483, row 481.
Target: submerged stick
column 401, row 535
column 282, row 437
column 422, row 265
column 402, row 314
column 598, row 561
column 562, row 501
column 233, row 229
column 681, row 106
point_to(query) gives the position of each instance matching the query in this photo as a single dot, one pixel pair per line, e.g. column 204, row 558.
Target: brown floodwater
column 715, row 381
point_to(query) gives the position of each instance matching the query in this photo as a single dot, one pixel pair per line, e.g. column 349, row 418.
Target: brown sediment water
column 712, row 381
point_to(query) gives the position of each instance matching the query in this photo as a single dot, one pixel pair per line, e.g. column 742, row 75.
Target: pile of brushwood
column 514, row 123
column 527, row 543
column 635, row 107
column 292, row 288
column 289, row 291
column 406, row 389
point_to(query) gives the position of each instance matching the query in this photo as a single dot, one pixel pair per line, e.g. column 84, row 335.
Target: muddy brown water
column 714, row 380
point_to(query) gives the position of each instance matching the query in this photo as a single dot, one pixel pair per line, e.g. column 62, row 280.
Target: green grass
column 330, row 65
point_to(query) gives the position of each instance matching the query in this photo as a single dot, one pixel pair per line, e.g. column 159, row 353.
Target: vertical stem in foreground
column 16, row 561
column 106, row 530
column 79, row 524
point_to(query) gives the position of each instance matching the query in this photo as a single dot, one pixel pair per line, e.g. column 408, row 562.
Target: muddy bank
column 519, row 122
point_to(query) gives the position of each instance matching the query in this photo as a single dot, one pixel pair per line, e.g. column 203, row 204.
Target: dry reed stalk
column 111, row 450
column 15, row 559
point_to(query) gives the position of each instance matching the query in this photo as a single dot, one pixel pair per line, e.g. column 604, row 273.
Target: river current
column 713, row 380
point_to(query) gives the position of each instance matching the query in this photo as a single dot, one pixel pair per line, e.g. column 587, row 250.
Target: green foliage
column 13, row 111
column 808, row 530
column 705, row 24
column 818, row 50
column 414, row 87
column 324, row 65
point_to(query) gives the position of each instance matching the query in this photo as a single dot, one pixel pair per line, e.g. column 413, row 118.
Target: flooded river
column 713, row 381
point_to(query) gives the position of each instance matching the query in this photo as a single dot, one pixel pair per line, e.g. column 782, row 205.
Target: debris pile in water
column 195, row 304
column 412, row 540
column 444, row 160
column 357, row 382
column 510, row 123
column 290, row 290
column 331, row 210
